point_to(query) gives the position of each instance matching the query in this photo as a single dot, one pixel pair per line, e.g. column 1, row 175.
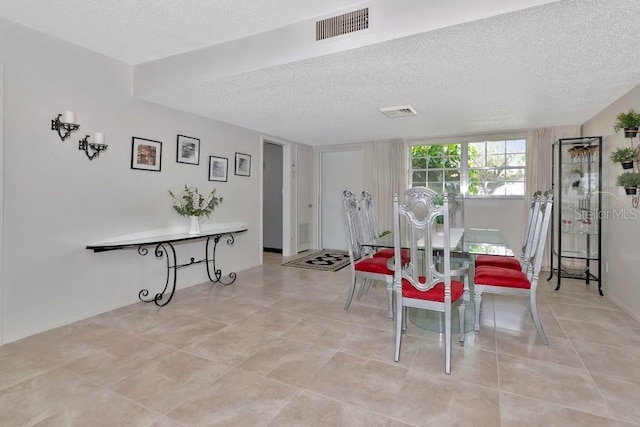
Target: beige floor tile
column 551, row 383
column 312, row 410
column 595, row 315
column 365, row 383
column 518, row 411
column 559, row 350
column 601, row 333
column 163, row 384
column 229, row 346
column 271, row 321
column 277, row 348
column 182, row 330
column 357, row 313
column 610, row 360
column 321, row 332
column 119, row 361
column 433, row 400
column 288, row 361
column 42, row 396
column 467, row 364
column 103, row 409
column 237, row 399
column 622, row 396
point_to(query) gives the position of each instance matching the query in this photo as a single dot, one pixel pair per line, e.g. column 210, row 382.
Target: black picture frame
column 218, row 168
column 188, row 150
column 243, row 164
column 146, row 154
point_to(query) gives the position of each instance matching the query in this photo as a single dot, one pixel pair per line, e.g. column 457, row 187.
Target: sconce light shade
column 95, row 147
column 64, row 124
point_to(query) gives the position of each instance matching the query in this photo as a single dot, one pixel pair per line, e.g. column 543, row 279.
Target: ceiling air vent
column 404, row 111
column 342, row 24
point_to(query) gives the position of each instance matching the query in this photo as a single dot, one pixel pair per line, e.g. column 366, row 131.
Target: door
column 340, row 170
column 304, row 203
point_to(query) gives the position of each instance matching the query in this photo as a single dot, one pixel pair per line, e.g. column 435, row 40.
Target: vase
column 194, row 224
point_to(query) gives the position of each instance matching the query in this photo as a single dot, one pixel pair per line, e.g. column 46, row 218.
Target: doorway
column 272, row 189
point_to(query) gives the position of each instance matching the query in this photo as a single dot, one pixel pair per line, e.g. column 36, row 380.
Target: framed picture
column 218, row 167
column 243, row 164
column 146, row 154
column 188, row 150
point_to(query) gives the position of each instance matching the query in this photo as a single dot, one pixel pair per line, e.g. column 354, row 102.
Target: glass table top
column 474, row 241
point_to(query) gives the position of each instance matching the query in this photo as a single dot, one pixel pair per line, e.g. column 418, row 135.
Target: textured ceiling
column 556, row 64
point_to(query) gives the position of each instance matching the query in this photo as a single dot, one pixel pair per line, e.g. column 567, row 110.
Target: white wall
column 619, row 234
column 57, row 201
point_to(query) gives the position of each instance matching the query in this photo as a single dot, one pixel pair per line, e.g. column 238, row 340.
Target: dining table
column 465, row 244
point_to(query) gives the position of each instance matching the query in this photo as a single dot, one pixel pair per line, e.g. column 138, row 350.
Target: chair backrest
column 369, row 218
column 456, row 209
column 539, row 239
column 534, row 217
column 352, row 223
column 421, row 271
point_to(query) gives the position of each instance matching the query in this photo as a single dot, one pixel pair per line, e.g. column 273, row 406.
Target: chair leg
column 400, row 316
column 352, row 289
column 478, row 294
column 461, row 309
column 365, row 285
column 390, row 298
column 404, row 318
column 447, row 340
column 536, row 319
column 466, row 296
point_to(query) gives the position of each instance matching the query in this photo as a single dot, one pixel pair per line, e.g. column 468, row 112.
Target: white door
column 304, row 206
column 340, row 170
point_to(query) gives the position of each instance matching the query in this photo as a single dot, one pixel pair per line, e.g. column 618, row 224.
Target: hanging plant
column 629, row 121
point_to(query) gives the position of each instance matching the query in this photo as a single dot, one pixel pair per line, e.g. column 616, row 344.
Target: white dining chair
column 419, row 283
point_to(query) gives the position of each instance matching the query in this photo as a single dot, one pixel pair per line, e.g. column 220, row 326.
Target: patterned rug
column 325, row 260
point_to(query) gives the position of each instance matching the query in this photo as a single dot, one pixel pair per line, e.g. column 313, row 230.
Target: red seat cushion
column 373, row 265
column 496, row 276
column 388, row 253
column 434, row 294
column 498, row 261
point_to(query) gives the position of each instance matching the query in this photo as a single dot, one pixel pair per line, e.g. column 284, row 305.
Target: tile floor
column 277, row 349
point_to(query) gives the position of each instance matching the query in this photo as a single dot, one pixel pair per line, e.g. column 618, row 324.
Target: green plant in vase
column 629, row 180
column 625, row 156
column 629, row 121
column 191, row 203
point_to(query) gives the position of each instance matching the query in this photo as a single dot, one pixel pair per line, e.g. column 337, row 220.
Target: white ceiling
column 465, row 66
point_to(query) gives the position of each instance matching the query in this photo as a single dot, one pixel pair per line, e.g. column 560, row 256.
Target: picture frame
column 188, row 150
column 243, row 164
column 146, row 154
column 218, row 168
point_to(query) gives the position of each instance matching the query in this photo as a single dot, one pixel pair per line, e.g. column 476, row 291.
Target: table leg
column 162, row 250
column 216, row 271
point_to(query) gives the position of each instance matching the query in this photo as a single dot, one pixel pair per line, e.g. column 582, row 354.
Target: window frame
column 464, row 142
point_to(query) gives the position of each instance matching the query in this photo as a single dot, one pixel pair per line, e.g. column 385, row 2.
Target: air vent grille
column 403, row 111
column 303, row 233
column 342, row 24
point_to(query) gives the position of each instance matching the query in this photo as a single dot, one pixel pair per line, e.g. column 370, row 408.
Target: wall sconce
column 65, row 123
column 95, row 147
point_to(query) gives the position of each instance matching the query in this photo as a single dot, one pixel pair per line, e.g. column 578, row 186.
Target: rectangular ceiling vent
column 403, row 111
column 342, row 24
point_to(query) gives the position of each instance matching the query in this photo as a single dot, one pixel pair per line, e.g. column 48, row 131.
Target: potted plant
column 630, row 181
column 629, row 121
column 192, row 204
column 624, row 156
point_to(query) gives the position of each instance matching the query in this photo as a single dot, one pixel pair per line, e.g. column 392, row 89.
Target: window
column 479, row 168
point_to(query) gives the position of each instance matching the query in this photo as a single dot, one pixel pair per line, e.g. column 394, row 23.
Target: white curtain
column 387, row 175
column 538, row 166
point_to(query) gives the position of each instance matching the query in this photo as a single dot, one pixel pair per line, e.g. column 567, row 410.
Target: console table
column 163, row 241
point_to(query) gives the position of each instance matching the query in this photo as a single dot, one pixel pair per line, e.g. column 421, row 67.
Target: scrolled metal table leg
column 217, row 272
column 162, row 249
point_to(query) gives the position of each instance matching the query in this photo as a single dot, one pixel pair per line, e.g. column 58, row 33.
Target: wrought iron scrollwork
column 167, row 251
column 217, row 273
